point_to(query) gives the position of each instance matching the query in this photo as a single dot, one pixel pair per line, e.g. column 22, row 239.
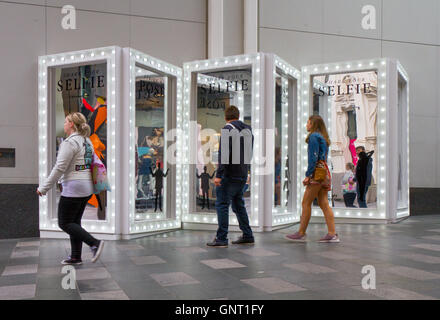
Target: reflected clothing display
column 205, row 178
column 364, row 170
column 159, row 175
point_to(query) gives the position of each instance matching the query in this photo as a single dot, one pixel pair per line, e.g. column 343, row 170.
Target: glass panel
column 151, row 168
column 215, row 92
column 351, row 101
column 83, row 89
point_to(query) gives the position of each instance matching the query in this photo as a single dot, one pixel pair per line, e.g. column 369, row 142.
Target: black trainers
column 71, row 261
column 97, row 250
column 218, row 244
column 242, row 240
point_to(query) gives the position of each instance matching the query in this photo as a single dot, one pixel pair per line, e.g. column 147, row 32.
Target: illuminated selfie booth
column 248, row 82
column 148, row 80
column 48, row 68
column 330, row 90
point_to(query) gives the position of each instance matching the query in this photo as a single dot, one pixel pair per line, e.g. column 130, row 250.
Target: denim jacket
column 317, row 150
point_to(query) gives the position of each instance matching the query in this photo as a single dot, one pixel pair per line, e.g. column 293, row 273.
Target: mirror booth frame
column 200, row 220
column 109, row 228
column 387, row 70
column 131, row 60
column 282, row 216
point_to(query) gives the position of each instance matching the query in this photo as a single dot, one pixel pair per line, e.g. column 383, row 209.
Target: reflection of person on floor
column 364, row 171
column 277, row 176
column 159, row 175
column 98, row 136
column 205, row 177
column 349, row 186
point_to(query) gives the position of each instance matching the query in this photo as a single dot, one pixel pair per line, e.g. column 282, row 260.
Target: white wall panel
column 297, row 48
column 344, row 17
column 422, row 66
column 18, row 64
column 25, row 142
column 93, row 30
column 337, row 48
column 172, row 41
column 191, row 10
column 115, row 6
column 233, row 27
column 423, row 151
column 292, row 14
column 412, row 21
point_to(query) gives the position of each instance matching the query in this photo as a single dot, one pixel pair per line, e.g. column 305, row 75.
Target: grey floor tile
column 124, row 247
column 393, row 293
column 433, row 230
column 97, row 285
column 105, row 295
column 173, row 279
column 28, row 244
column 92, row 273
column 259, row 252
column 421, row 258
column 191, row 250
column 435, row 238
column 143, row 260
column 335, row 255
column 17, row 292
column 24, row 254
column 20, row 269
column 18, row 279
column 413, row 273
column 272, row 285
column 427, row 246
column 222, row 264
column 56, row 294
column 309, row 268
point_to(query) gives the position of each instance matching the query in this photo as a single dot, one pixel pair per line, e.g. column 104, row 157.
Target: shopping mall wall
column 319, row 31
column 174, row 31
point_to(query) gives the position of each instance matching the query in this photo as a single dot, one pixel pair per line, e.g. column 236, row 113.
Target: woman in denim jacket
column 318, row 144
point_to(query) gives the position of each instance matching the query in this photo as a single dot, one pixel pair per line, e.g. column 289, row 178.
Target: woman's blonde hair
column 79, row 123
column 318, row 125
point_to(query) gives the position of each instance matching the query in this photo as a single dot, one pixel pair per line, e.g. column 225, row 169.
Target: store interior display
column 351, row 99
column 151, row 172
column 83, row 89
column 215, row 92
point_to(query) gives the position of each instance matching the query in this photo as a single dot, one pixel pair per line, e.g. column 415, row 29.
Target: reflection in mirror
column 151, row 168
column 215, row 92
column 349, row 102
column 83, row 89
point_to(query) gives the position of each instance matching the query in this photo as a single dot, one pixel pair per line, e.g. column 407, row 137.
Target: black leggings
column 70, row 212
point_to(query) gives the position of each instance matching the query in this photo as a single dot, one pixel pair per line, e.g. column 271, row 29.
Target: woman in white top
column 73, row 169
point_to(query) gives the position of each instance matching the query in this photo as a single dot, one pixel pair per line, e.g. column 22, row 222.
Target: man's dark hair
column 232, row 113
column 361, row 147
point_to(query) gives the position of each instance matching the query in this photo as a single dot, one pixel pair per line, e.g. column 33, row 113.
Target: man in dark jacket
column 364, row 169
column 235, row 153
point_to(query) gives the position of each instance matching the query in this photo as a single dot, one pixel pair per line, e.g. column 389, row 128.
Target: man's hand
column 217, row 182
column 39, row 193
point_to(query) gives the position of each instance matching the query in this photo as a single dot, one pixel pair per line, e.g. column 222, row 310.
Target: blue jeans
column 231, row 192
column 362, row 204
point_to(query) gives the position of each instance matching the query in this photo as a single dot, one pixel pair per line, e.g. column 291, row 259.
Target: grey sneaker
column 97, row 250
column 296, row 237
column 330, row 239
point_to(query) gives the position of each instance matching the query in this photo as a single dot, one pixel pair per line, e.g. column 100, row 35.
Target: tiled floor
column 178, row 265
